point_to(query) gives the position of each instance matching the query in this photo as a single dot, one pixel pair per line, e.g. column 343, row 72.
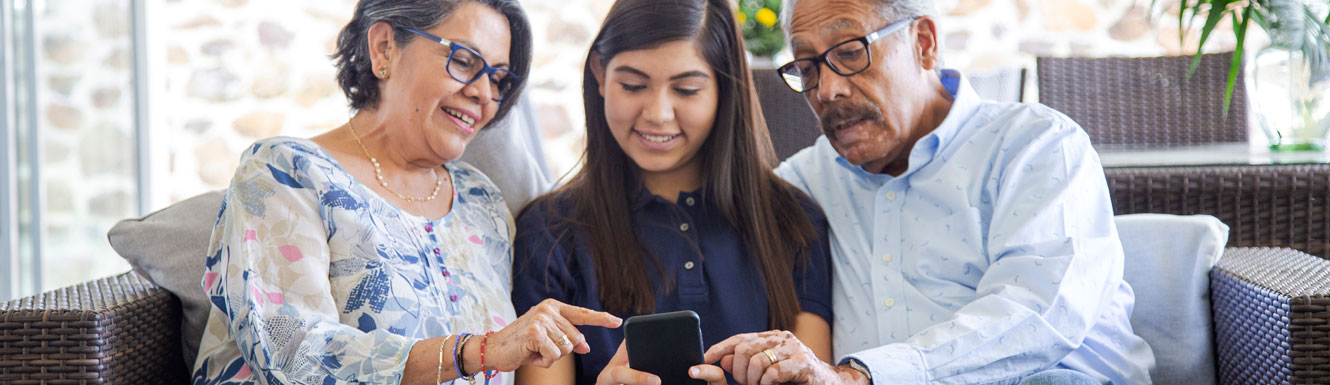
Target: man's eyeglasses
column 466, row 66
column 845, row 58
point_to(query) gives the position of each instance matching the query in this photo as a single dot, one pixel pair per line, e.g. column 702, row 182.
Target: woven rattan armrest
column 115, row 330
column 1271, row 312
column 1264, row 206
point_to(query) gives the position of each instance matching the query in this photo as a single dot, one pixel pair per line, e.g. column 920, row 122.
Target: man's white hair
column 890, row 10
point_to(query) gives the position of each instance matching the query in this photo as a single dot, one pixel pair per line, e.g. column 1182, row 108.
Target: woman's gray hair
column 356, row 77
column 890, row 10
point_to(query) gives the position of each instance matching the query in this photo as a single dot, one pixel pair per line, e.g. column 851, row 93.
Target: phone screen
column 665, row 344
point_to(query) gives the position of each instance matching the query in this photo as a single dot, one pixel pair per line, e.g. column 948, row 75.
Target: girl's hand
column 617, row 372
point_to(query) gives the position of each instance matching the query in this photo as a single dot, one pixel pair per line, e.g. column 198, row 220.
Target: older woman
column 367, row 255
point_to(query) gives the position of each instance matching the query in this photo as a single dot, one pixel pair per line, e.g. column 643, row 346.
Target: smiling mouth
column 460, row 116
column 657, row 138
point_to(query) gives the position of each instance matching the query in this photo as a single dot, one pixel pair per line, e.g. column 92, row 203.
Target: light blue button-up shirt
column 992, row 257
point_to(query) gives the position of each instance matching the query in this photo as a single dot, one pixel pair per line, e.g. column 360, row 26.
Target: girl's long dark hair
column 736, row 164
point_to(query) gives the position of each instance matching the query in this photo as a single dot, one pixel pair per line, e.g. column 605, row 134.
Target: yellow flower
column 766, row 16
column 741, row 17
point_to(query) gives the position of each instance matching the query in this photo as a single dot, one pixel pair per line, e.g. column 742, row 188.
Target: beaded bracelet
column 458, row 345
column 438, row 372
column 488, row 373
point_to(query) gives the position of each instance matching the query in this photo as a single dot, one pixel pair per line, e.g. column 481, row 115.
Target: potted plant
column 1290, row 77
column 762, row 32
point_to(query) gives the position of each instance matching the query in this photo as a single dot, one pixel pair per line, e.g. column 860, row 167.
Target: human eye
column 850, row 53
column 632, row 87
column 687, row 91
column 463, row 61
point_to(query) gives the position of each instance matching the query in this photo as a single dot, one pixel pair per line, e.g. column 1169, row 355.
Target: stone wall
column 85, row 109
column 989, row 34
column 239, row 70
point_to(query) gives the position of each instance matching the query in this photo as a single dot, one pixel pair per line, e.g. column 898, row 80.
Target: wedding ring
column 563, row 340
column 771, row 356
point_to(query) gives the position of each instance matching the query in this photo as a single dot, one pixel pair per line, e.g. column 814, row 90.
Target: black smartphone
column 665, row 344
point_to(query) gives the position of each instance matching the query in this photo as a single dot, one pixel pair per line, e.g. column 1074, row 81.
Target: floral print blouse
column 315, row 279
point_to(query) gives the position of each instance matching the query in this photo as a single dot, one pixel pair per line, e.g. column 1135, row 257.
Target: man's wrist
column 849, row 375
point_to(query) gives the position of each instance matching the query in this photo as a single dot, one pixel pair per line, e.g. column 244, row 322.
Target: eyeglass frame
column 867, row 40
column 486, row 70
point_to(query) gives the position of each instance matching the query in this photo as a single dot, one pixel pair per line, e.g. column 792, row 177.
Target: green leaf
column 1183, row 25
column 1236, row 65
column 1216, row 13
column 1212, row 19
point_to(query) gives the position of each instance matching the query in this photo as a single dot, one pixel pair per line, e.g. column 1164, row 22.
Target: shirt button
column 683, row 227
column 429, row 227
column 886, row 257
column 688, row 265
column 891, row 195
column 889, row 302
column 689, row 201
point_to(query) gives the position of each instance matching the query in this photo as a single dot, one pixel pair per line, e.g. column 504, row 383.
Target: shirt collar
column 964, row 103
column 642, row 197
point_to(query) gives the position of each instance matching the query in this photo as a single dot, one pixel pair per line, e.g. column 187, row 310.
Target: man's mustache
column 836, row 115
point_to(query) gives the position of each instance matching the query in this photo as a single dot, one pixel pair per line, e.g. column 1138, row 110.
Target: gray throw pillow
column 510, row 155
column 168, row 247
column 1168, row 262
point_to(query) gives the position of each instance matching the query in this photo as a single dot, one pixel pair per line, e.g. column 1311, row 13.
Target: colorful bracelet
column 438, row 372
column 457, row 355
column 488, row 373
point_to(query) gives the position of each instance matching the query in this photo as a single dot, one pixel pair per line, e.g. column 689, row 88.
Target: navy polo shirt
column 713, row 273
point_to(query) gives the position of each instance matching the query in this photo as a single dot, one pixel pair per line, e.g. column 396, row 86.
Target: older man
column 974, row 241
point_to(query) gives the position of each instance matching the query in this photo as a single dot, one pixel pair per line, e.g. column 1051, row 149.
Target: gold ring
column 563, row 340
column 771, row 356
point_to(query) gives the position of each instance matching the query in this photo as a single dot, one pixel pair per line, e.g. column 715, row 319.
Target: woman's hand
column 617, row 372
column 542, row 335
column 771, row 357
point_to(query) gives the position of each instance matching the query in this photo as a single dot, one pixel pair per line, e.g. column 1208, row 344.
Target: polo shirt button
column 688, row 265
column 683, row 227
column 689, row 201
column 891, row 195
column 886, row 257
column 889, row 302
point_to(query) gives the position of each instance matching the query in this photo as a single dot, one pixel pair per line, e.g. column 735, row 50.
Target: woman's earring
column 383, row 72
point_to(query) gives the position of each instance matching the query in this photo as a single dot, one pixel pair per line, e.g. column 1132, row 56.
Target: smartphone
column 665, row 344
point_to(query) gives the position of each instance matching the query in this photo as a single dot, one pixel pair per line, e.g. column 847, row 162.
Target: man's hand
column 776, row 357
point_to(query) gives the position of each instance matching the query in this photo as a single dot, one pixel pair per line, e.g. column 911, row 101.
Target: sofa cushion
column 1168, row 262
column 168, row 247
column 510, row 155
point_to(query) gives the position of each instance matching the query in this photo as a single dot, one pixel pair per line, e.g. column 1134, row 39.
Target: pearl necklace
column 378, row 172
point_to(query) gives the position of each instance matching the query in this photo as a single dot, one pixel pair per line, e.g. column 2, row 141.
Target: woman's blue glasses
column 466, row 65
